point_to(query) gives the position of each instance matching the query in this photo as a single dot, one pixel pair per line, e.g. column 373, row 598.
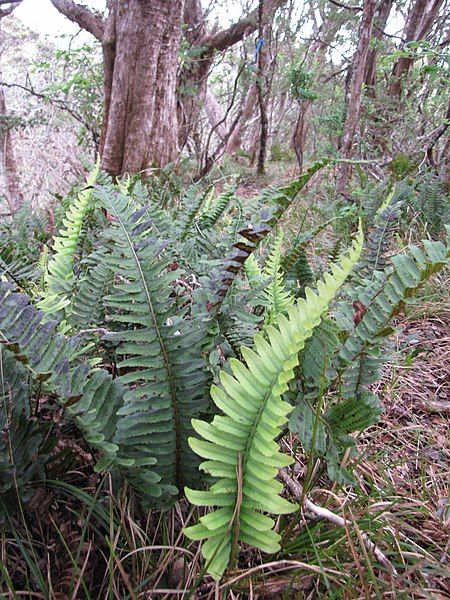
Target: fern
column 59, row 278
column 161, row 360
column 278, row 200
column 88, row 298
column 406, row 276
column 277, row 298
column 212, row 214
column 239, row 447
column 21, row 454
column 380, row 239
column 88, row 395
column 193, row 202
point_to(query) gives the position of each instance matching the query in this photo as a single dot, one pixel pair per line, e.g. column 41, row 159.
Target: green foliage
column 21, row 445
column 277, row 298
column 301, row 82
column 159, row 354
column 50, row 358
column 60, row 277
column 401, row 166
column 240, row 446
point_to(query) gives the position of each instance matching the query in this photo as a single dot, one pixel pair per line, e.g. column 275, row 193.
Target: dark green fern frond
column 88, row 395
column 88, row 306
column 380, row 240
column 433, row 204
column 192, row 203
column 161, row 360
column 21, row 455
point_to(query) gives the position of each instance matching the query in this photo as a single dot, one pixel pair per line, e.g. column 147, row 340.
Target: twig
column 297, row 490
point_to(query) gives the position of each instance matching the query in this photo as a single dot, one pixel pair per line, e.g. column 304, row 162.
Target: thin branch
column 296, row 488
column 56, row 102
column 228, row 37
column 341, row 5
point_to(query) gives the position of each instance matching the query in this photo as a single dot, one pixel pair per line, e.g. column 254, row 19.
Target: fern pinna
column 161, row 361
column 240, row 446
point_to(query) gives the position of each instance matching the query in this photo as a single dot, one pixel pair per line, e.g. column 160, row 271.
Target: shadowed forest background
column 224, row 322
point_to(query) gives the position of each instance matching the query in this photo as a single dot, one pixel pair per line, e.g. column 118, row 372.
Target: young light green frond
column 253, row 272
column 59, row 276
column 239, row 447
column 277, row 297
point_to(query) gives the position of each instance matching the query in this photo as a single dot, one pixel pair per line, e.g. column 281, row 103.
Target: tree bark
column 141, row 41
column 379, row 24
column 141, row 65
column 261, row 85
column 355, row 91
column 13, row 194
column 420, row 19
column 215, row 115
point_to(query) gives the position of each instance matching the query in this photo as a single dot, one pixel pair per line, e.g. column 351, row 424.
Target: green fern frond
column 277, row 201
column 277, row 297
column 380, row 239
column 239, row 447
column 161, row 363
column 21, row 455
column 88, row 297
column 253, row 271
column 88, row 395
column 59, row 277
column 193, row 202
column 362, row 356
column 212, row 214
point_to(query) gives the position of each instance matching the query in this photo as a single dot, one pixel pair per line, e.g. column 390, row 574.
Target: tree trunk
column 315, row 61
column 141, row 42
column 13, row 195
column 355, row 90
column 141, row 61
column 262, row 87
column 215, row 115
column 379, row 24
column 420, row 19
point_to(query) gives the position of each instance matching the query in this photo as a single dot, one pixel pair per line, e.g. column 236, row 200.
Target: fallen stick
column 297, row 490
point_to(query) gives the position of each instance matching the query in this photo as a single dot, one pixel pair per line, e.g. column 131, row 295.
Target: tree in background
column 141, row 43
column 14, row 196
column 353, row 107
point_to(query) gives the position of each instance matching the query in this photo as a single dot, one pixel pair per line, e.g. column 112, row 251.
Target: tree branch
column 296, row 488
column 7, row 11
column 82, row 16
column 234, row 34
column 341, row 5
